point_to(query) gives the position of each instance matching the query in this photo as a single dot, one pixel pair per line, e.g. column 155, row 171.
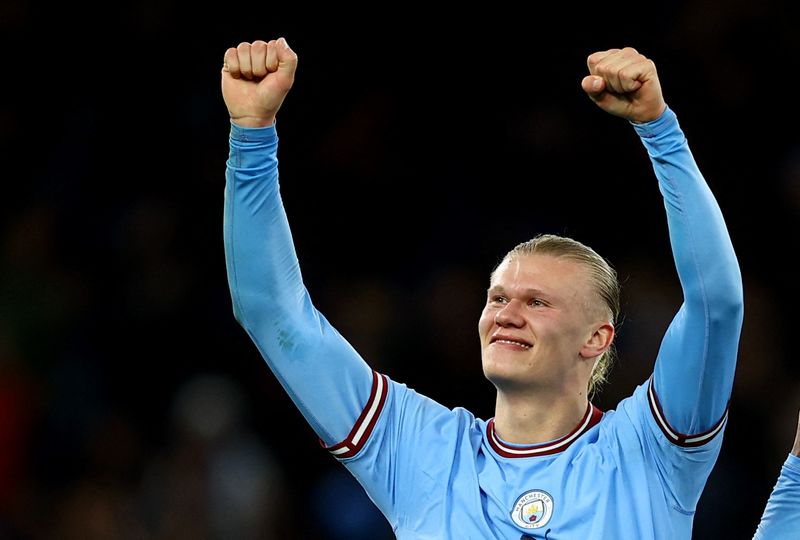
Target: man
column 781, row 518
column 549, row 464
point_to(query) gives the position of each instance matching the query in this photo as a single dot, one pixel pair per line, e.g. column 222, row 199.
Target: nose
column 509, row 315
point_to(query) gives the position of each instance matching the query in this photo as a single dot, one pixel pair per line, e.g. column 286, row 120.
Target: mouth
column 509, row 341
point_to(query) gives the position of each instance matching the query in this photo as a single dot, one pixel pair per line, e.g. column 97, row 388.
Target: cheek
column 486, row 321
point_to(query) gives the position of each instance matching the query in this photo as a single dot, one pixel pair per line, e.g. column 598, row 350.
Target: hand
column 255, row 80
column 624, row 83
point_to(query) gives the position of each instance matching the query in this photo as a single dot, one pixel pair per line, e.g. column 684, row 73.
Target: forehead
column 547, row 273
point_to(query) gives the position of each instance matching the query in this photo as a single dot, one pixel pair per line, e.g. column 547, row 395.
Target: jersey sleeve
column 325, row 377
column 781, row 518
column 694, row 369
column 416, row 447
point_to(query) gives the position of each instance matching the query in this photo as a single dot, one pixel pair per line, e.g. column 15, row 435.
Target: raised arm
column 325, row 377
column 694, row 371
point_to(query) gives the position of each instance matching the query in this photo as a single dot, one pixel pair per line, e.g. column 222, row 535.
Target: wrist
column 650, row 115
column 253, row 121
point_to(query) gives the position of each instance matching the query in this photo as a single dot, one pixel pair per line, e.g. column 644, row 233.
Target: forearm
column 696, row 364
column 325, row 377
column 796, row 447
column 263, row 271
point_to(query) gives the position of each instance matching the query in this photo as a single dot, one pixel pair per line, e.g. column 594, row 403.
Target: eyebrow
column 499, row 289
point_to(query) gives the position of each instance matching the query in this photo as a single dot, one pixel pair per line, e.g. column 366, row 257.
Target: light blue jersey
column 633, row 473
column 781, row 519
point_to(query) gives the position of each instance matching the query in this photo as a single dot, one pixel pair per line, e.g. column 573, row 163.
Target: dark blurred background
column 416, row 149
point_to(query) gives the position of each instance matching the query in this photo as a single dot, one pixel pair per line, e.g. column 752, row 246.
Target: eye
column 499, row 299
column 536, row 302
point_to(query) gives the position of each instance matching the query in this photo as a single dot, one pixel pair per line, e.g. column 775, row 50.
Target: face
column 540, row 313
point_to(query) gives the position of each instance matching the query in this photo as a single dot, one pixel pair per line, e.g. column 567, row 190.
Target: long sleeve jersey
column 781, row 518
column 636, row 472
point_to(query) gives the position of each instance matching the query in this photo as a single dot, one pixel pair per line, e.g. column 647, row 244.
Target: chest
column 582, row 494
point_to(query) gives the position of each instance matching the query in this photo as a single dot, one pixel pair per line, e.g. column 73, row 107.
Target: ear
column 599, row 341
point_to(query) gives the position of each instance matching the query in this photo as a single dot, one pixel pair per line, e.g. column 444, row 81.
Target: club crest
column 533, row 509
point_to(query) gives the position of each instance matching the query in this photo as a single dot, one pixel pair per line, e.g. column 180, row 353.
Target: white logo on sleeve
column 533, row 509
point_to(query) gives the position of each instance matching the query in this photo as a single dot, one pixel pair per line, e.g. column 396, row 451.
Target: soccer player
column 781, row 518
column 549, row 464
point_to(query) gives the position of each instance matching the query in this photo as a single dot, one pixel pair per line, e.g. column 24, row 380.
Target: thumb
column 593, row 85
column 287, row 58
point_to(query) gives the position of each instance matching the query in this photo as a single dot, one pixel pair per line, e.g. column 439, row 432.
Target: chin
column 506, row 375
column 500, row 375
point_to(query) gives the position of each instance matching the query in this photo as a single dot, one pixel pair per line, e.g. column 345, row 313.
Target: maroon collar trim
column 590, row 419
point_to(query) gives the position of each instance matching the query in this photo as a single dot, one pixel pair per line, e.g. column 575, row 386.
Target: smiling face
column 542, row 325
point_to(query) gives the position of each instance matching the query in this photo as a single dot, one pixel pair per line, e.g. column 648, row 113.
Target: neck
column 528, row 418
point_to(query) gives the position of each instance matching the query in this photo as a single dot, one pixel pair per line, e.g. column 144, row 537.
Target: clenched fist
column 255, row 80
